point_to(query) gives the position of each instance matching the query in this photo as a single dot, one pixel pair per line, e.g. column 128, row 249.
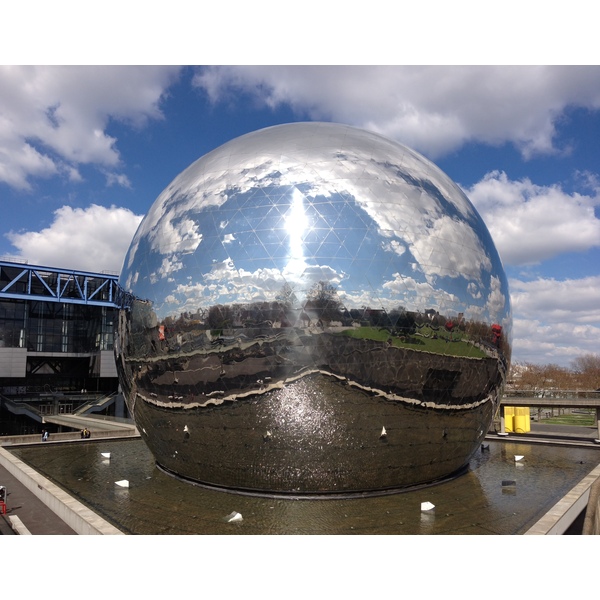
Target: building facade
column 56, row 336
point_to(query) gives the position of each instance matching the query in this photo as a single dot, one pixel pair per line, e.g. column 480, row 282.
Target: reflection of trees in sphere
column 323, row 300
column 300, row 290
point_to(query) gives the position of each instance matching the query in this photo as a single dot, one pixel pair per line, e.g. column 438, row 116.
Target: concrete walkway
column 99, row 428
column 37, row 506
column 94, row 423
column 37, row 518
column 567, row 435
column 41, row 507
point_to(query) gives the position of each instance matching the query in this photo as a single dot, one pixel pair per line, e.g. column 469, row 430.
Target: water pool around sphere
column 473, row 504
column 315, row 309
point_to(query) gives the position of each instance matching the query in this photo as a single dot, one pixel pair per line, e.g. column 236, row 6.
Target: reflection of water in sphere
column 298, row 291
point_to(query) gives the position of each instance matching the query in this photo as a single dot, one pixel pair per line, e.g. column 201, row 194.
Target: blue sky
column 85, row 151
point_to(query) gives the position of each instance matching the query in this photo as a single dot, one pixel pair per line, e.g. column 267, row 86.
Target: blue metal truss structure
column 29, row 282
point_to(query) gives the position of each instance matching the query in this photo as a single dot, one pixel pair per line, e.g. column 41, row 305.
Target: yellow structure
column 509, row 415
column 517, row 419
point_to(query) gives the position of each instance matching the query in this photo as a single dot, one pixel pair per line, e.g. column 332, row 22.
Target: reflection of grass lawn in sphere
column 439, row 345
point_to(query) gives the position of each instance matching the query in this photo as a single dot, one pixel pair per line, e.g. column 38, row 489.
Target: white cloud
column 431, row 109
column 531, row 223
column 117, row 179
column 555, row 320
column 53, row 119
column 539, row 343
column 574, row 301
column 93, row 239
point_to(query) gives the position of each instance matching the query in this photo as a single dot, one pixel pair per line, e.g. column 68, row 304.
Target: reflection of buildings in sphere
column 299, row 289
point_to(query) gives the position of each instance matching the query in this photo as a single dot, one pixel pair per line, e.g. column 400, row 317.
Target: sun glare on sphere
column 296, row 224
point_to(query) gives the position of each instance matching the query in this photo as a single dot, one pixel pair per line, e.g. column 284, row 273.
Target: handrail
column 537, row 393
column 22, row 408
column 95, row 402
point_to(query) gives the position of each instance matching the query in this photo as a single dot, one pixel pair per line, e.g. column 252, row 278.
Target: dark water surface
column 156, row 503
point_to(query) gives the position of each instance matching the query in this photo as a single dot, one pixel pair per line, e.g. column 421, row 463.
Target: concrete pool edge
column 76, row 515
column 560, row 517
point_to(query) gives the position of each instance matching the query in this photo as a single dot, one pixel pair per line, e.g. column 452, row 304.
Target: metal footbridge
column 553, row 399
column 32, row 282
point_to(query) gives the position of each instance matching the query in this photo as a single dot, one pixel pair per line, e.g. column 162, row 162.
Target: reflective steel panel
column 315, row 309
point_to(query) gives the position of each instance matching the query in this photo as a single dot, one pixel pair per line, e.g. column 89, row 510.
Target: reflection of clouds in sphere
column 452, row 248
column 473, row 289
column 496, row 303
column 297, row 259
column 418, row 295
column 293, row 207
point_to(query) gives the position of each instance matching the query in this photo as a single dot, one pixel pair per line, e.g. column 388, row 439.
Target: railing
column 567, row 394
column 22, row 408
column 105, row 399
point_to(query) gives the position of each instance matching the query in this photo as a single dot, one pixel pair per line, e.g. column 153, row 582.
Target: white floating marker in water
column 105, row 454
column 234, row 516
column 123, row 483
column 427, row 506
column 383, row 433
column 518, row 457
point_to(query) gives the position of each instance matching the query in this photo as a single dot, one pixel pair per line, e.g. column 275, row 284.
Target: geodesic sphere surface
column 314, row 309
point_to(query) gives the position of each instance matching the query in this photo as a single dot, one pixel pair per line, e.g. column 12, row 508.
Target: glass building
column 56, row 336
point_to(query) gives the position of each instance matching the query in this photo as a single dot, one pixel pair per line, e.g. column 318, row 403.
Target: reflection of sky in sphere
column 312, row 202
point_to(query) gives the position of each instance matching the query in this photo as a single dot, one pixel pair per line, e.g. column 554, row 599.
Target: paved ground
column 558, row 433
column 33, row 513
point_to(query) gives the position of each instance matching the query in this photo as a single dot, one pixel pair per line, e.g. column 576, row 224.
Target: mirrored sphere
column 313, row 309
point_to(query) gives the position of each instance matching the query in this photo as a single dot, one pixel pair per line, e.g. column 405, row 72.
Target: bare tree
column 587, row 367
column 323, row 300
